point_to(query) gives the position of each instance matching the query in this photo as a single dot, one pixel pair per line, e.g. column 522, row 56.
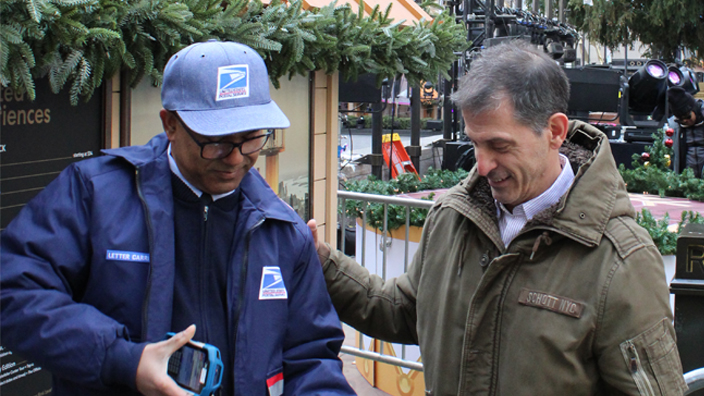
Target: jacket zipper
column 634, row 366
column 203, row 271
column 243, row 279
column 145, row 302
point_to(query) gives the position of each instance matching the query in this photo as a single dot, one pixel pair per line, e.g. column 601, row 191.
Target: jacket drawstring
column 545, row 236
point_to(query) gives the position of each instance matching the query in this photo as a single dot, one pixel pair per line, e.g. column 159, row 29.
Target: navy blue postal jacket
column 87, row 279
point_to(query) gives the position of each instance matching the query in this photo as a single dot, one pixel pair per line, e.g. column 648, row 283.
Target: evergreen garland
column 655, row 176
column 659, row 230
column 80, row 43
column 405, row 183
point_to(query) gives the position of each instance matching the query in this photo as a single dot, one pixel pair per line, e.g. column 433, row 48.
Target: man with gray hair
column 532, row 276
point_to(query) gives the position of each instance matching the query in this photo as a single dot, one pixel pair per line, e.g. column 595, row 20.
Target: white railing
column 695, row 380
column 408, row 203
column 393, row 360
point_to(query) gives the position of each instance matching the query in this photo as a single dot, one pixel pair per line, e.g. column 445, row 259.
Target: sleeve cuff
column 120, row 365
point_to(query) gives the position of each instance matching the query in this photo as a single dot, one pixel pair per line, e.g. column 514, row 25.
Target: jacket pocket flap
column 663, row 358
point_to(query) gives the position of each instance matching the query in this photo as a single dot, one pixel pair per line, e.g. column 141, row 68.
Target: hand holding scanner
column 196, row 367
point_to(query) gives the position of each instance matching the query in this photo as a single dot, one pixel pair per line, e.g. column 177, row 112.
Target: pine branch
column 23, row 81
column 33, row 11
column 63, row 69
column 82, row 78
column 86, row 41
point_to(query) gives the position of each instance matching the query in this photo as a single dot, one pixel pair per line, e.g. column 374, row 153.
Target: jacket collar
column 256, row 192
column 597, row 194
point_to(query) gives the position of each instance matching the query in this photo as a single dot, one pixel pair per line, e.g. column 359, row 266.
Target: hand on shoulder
column 322, row 248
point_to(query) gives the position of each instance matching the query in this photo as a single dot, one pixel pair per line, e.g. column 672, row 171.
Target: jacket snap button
column 582, row 215
column 485, row 260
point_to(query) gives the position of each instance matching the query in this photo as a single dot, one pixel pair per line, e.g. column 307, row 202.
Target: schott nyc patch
column 551, row 302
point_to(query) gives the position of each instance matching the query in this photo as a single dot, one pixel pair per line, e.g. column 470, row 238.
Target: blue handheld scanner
column 196, row 367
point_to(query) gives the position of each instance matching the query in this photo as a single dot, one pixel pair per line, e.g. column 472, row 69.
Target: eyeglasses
column 218, row 150
column 682, row 119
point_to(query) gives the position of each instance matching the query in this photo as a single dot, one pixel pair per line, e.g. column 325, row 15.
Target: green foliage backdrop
column 655, row 176
column 79, row 43
column 662, row 25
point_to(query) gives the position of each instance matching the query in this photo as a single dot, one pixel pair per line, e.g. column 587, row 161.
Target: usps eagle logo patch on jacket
column 233, row 82
column 272, row 287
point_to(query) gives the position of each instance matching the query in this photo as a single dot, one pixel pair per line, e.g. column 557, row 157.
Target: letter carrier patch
column 276, row 384
column 272, row 287
column 233, row 82
column 121, row 255
column 554, row 303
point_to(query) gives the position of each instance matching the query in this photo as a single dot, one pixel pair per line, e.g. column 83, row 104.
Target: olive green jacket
column 577, row 304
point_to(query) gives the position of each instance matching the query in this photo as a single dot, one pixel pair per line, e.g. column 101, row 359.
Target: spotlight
column 689, row 80
column 647, row 86
column 675, row 78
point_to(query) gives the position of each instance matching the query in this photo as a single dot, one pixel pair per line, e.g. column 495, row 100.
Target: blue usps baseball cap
column 220, row 88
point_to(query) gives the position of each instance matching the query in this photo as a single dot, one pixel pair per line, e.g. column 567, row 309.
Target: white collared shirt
column 510, row 224
column 177, row 172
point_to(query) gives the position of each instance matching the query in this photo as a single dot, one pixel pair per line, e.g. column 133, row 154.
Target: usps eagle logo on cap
column 272, row 287
column 233, row 82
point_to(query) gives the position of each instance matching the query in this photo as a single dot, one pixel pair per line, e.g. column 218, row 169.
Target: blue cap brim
column 220, row 122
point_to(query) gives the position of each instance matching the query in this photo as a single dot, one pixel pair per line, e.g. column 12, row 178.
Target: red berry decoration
column 669, row 132
column 668, row 143
column 645, row 156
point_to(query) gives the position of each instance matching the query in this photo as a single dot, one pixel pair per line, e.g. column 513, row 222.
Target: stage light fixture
column 570, row 55
column 647, row 86
column 690, row 82
column 675, row 78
